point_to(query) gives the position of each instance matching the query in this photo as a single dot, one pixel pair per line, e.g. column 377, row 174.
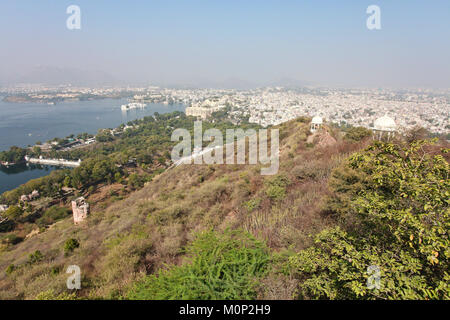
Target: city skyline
column 231, row 44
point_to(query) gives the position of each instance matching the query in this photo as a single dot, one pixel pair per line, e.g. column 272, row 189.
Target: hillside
column 186, row 214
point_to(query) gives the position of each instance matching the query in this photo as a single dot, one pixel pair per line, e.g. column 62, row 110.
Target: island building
column 384, row 128
column 80, row 209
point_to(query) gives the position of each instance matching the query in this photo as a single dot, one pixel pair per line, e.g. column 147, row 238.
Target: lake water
column 13, row 177
column 22, row 124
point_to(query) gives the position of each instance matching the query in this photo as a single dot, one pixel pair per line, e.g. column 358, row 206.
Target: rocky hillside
column 188, row 217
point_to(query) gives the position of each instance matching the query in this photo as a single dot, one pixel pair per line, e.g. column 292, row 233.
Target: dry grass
column 125, row 239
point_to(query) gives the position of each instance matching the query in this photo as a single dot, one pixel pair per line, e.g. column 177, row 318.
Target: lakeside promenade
column 53, row 162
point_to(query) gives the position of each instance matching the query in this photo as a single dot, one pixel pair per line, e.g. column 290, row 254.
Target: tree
column 104, row 135
column 13, row 155
column 13, row 213
column 70, row 245
column 67, row 181
column 36, row 150
column 392, row 203
column 417, row 133
column 356, row 134
column 35, row 257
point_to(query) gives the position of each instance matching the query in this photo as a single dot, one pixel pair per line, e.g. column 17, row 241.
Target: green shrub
column 10, row 269
column 52, row 215
column 50, row 295
column 276, row 187
column 12, row 239
column 392, row 201
column 279, row 180
column 55, row 270
column 220, row 266
column 356, row 134
column 136, row 181
column 13, row 213
column 168, row 214
column 35, row 257
column 70, row 245
column 124, row 257
column 252, row 204
column 276, row 192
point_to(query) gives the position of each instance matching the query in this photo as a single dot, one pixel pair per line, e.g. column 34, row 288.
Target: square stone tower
column 80, row 209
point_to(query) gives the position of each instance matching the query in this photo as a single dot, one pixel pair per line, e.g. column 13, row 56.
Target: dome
column 317, row 120
column 385, row 123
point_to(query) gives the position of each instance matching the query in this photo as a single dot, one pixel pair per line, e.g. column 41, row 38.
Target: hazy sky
column 176, row 42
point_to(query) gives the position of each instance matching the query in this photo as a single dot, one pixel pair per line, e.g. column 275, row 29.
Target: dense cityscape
column 272, row 105
column 263, row 106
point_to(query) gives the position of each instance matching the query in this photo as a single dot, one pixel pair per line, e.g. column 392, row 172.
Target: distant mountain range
column 236, row 83
column 57, row 75
column 53, row 75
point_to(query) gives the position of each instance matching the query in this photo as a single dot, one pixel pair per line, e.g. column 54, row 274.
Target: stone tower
column 80, row 209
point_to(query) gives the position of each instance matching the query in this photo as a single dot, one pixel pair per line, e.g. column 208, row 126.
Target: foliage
column 50, row 295
column 104, row 135
column 52, row 215
column 149, row 142
column 276, row 187
column 252, row 204
column 355, row 134
column 70, row 245
column 221, row 266
column 35, row 257
column 94, row 171
column 392, row 202
column 276, row 192
column 136, row 181
column 13, row 155
column 47, row 186
column 11, row 239
column 10, row 269
column 417, row 133
column 13, row 213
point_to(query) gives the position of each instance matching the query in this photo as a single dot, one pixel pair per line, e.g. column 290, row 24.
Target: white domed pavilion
column 316, row 123
column 384, row 127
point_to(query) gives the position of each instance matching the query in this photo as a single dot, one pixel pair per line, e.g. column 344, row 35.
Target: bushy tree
column 104, row 135
column 70, row 245
column 392, row 203
column 13, row 213
column 52, row 215
column 356, row 134
column 14, row 154
column 35, row 257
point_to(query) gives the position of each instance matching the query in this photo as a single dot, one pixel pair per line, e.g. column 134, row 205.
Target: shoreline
column 24, row 124
column 54, row 101
column 15, row 171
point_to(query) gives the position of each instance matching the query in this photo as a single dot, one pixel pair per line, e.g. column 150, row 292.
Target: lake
column 13, row 177
column 22, row 124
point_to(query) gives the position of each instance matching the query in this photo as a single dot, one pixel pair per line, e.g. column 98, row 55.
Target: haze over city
column 226, row 44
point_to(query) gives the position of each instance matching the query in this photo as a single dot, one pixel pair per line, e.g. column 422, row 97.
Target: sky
column 228, row 42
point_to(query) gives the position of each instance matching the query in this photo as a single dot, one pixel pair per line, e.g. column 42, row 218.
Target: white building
column 384, row 127
column 316, row 123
